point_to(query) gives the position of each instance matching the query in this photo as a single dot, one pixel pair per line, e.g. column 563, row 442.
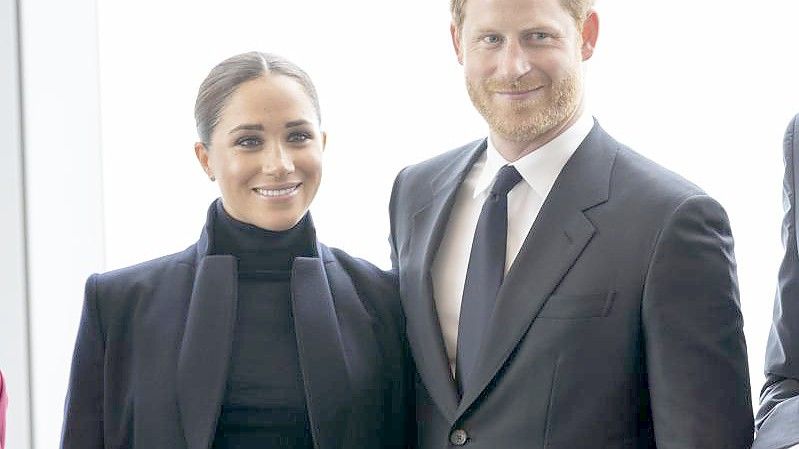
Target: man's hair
column 577, row 8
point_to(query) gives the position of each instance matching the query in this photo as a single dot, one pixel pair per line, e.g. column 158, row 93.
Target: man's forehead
column 520, row 13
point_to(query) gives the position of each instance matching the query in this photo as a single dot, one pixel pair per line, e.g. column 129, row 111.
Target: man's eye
column 491, row 39
column 539, row 36
column 299, row 137
column 248, row 142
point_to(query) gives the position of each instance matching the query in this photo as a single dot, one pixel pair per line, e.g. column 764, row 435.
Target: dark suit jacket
column 152, row 352
column 3, row 407
column 778, row 417
column 618, row 325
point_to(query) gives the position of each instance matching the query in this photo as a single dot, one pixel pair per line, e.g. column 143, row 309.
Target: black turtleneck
column 264, row 405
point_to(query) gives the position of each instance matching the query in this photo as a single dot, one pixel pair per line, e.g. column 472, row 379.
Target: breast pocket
column 566, row 306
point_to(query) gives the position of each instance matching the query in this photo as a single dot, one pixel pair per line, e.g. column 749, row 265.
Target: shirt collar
column 541, row 167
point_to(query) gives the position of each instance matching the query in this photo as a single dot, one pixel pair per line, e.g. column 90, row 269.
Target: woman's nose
column 277, row 162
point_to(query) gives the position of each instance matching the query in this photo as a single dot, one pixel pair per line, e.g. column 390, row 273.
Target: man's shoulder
column 633, row 181
column 629, row 167
column 637, row 173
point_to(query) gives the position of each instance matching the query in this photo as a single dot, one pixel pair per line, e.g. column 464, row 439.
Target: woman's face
column 266, row 153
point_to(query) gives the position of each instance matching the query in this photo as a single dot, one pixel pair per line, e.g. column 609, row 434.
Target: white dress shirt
column 539, row 169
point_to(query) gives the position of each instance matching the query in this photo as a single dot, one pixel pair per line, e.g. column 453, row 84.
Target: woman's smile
column 277, row 193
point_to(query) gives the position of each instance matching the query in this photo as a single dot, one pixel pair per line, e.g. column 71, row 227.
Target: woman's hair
column 229, row 74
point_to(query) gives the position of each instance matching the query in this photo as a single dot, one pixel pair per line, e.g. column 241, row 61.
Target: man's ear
column 202, row 156
column 456, row 41
column 590, row 32
column 324, row 140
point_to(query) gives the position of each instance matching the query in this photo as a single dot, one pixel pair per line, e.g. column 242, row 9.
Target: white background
column 704, row 88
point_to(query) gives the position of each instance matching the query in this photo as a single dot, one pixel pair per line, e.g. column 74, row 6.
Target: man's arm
column 410, row 368
column 778, row 416
column 693, row 330
column 392, row 212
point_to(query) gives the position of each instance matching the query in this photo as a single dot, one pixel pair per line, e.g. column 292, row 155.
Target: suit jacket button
column 458, row 437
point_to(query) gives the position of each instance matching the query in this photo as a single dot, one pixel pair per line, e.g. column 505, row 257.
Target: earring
column 212, row 178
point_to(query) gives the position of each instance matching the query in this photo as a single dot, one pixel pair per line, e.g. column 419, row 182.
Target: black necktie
column 484, row 274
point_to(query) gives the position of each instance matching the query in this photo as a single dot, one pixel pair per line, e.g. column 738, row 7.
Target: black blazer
column 618, row 325
column 151, row 358
column 778, row 417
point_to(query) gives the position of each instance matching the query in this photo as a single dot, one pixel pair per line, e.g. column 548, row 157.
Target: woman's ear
column 202, row 156
column 324, row 140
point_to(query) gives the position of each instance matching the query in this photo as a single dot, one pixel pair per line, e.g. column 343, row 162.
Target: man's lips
column 516, row 93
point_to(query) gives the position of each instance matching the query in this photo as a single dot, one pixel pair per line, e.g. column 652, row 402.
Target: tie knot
column 507, row 177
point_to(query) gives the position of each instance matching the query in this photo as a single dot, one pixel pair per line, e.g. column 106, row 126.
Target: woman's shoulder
column 356, row 265
column 113, row 298
column 378, row 289
column 150, row 270
column 362, row 271
column 117, row 292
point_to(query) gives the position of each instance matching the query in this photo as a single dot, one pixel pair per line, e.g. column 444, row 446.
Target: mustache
column 516, row 85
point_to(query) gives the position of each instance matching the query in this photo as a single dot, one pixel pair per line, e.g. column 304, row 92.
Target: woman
column 257, row 336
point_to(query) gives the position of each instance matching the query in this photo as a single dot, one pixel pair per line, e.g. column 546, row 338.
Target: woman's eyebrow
column 248, row 127
column 299, row 122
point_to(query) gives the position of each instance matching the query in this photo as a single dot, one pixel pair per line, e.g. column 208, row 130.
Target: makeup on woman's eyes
column 297, row 132
column 299, row 136
column 249, row 141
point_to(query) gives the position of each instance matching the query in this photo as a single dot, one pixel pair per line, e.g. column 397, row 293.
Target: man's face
column 522, row 61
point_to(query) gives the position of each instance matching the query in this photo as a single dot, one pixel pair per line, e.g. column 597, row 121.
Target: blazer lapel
column 416, row 287
column 205, row 352
column 321, row 353
column 554, row 243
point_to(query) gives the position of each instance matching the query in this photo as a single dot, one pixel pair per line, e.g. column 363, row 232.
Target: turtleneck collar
column 261, row 252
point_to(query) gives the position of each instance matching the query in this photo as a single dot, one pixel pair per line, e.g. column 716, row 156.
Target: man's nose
column 514, row 62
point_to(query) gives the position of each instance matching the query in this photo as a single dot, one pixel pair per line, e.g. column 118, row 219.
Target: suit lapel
column 321, row 352
column 557, row 238
column 205, row 352
column 424, row 330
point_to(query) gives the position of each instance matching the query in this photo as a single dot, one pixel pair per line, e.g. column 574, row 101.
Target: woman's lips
column 278, row 191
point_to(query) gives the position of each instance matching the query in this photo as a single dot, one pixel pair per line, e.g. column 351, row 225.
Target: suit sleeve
column 693, row 330
column 392, row 216
column 778, row 416
column 83, row 412
column 409, row 369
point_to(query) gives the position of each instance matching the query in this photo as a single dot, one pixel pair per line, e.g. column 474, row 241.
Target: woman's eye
column 248, row 142
column 299, row 137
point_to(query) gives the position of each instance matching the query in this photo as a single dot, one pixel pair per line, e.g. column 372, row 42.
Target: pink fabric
column 3, row 405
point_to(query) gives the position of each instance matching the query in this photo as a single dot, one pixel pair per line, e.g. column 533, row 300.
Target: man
column 3, row 408
column 617, row 323
column 778, row 418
